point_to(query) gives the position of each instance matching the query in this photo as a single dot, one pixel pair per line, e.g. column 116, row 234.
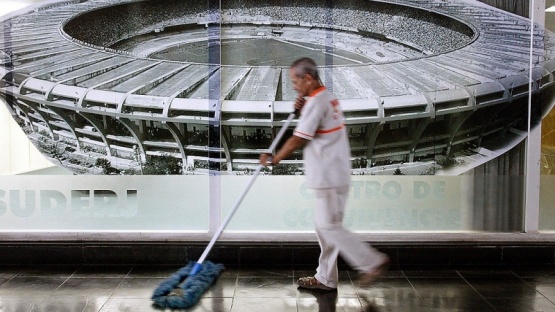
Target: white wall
column 17, row 154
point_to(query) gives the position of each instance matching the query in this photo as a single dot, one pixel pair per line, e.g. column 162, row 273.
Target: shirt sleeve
column 309, row 121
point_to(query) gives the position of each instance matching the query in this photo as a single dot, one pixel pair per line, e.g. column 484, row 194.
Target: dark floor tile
column 92, row 286
column 8, row 304
column 447, row 293
column 545, row 285
column 265, row 287
column 537, row 303
column 390, row 273
column 434, row 287
column 391, row 297
column 494, row 273
column 393, row 294
column 101, row 272
column 50, row 271
column 31, row 287
column 347, row 289
column 328, row 302
column 8, row 272
column 91, row 289
column 502, row 288
column 136, row 288
column 233, row 272
column 223, row 287
column 480, row 309
column 383, row 286
column 271, row 304
column 372, row 307
column 490, row 309
column 317, row 300
column 440, row 273
column 266, row 273
column 130, row 305
column 153, row 272
column 213, row 305
column 3, row 280
column 71, row 303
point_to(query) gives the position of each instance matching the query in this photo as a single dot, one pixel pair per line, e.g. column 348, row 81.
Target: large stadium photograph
column 184, row 87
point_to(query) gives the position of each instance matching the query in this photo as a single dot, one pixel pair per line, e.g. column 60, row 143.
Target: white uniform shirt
column 327, row 154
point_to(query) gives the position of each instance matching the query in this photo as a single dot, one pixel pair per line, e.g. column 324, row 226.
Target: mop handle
column 245, row 191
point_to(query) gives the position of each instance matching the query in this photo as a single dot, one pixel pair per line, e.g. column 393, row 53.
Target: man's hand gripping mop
column 185, row 287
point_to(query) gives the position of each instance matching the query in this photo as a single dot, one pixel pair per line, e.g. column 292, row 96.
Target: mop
column 185, row 287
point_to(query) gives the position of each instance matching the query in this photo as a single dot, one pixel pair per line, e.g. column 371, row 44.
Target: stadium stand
column 76, row 75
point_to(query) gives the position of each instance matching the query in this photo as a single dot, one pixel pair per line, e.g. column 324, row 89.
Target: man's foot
column 367, row 278
column 312, row 283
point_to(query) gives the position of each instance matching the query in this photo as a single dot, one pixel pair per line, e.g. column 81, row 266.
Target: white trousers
column 335, row 240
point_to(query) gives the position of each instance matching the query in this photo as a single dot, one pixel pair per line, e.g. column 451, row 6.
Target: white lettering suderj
column 183, row 203
column 104, row 203
column 56, row 203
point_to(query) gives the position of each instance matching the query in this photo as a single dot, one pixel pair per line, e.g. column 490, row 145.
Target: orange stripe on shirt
column 330, row 130
column 318, row 90
column 304, row 134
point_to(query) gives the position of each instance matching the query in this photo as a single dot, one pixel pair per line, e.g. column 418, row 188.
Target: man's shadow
column 327, row 300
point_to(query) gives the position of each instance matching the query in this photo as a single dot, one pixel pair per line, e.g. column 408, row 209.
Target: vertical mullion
column 533, row 142
column 214, row 61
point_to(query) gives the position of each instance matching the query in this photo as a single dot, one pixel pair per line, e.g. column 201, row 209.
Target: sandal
column 312, row 283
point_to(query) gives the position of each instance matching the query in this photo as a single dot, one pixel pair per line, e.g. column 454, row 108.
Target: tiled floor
column 130, row 288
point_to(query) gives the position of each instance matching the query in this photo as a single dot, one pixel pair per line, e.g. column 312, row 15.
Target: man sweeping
column 321, row 133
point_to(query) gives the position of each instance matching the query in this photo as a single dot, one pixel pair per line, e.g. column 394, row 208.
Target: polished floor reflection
column 56, row 289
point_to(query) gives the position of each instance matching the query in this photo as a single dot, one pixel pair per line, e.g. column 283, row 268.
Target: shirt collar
column 318, row 90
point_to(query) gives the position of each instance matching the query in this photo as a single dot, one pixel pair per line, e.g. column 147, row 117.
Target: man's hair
column 305, row 66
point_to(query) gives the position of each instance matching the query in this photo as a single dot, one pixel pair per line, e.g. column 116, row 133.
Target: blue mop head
column 170, row 294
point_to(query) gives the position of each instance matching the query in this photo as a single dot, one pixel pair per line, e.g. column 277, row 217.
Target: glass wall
column 158, row 111
column 547, row 209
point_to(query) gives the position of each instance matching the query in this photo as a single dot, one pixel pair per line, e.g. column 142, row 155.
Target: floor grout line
column 420, row 289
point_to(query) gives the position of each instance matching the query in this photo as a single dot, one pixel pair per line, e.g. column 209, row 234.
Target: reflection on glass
column 547, row 160
column 171, row 87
